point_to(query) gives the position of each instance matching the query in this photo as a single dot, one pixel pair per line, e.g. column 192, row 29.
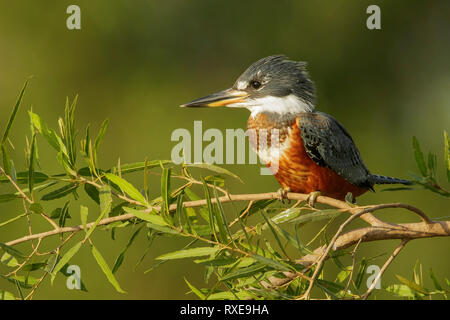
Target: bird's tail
column 378, row 179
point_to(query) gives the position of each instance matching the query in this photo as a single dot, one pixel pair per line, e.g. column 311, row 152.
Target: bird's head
column 272, row 84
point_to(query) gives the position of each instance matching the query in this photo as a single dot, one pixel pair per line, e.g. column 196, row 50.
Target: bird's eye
column 255, row 84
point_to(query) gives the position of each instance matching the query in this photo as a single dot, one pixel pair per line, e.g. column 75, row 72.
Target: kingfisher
column 314, row 153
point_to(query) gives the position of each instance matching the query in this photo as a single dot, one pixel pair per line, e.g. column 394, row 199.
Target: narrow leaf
column 121, row 256
column 214, row 168
column 420, row 160
column 106, row 270
column 65, row 258
column 149, row 217
column 189, row 253
column 61, row 192
column 126, row 187
column 13, row 115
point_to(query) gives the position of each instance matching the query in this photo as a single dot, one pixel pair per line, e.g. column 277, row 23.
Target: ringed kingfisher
column 315, row 153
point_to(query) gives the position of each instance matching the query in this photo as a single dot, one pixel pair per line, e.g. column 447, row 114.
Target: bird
column 314, row 154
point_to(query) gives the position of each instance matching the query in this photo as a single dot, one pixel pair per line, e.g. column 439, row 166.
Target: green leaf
column 138, row 166
column 189, row 253
column 287, row 215
column 9, row 260
column 22, row 177
column 257, row 206
column 5, row 295
column 105, row 208
column 61, row 192
column 201, row 230
column 272, row 263
column 49, row 134
column 361, row 273
column 181, row 214
column 211, row 215
column 162, row 229
column 197, row 292
column 244, row 272
column 99, row 138
column 420, row 160
column 436, row 283
column 343, row 274
column 214, row 168
column 34, row 266
column 216, row 180
column 149, row 217
column 31, row 164
column 13, row 115
column 26, row 282
column 330, row 288
column 317, row 215
column 121, row 256
column 64, row 215
column 83, row 215
column 106, row 270
column 126, row 187
column 65, row 258
column 9, row 197
column 69, row 130
column 400, row 290
column 294, row 241
column 432, row 165
column 274, row 232
column 6, row 159
column 220, row 217
column 92, row 192
column 165, row 190
column 105, row 199
column 19, row 290
column 14, row 252
column 412, row 285
column 191, row 195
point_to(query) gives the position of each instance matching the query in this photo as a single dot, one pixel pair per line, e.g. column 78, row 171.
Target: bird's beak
column 227, row 97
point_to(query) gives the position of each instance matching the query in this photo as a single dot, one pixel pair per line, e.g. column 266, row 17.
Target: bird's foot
column 350, row 199
column 312, row 198
column 282, row 195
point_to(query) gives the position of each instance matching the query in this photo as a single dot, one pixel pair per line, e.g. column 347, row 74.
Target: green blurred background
column 136, row 62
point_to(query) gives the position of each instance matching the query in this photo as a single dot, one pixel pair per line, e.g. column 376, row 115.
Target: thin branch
column 350, row 277
column 384, row 267
column 16, row 186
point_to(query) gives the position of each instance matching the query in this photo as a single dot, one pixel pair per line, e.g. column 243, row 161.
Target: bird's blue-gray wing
column 328, row 143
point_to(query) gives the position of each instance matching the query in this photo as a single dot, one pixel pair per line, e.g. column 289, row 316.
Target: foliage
column 253, row 255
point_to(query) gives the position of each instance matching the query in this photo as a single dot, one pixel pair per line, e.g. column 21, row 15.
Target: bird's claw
column 282, row 195
column 312, row 198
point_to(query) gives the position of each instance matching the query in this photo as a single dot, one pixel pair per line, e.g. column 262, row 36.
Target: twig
column 384, row 267
column 350, row 277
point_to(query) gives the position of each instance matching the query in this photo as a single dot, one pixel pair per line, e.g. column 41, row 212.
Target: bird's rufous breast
column 288, row 160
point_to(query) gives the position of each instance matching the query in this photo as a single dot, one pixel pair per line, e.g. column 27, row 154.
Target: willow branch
column 379, row 230
column 399, row 231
